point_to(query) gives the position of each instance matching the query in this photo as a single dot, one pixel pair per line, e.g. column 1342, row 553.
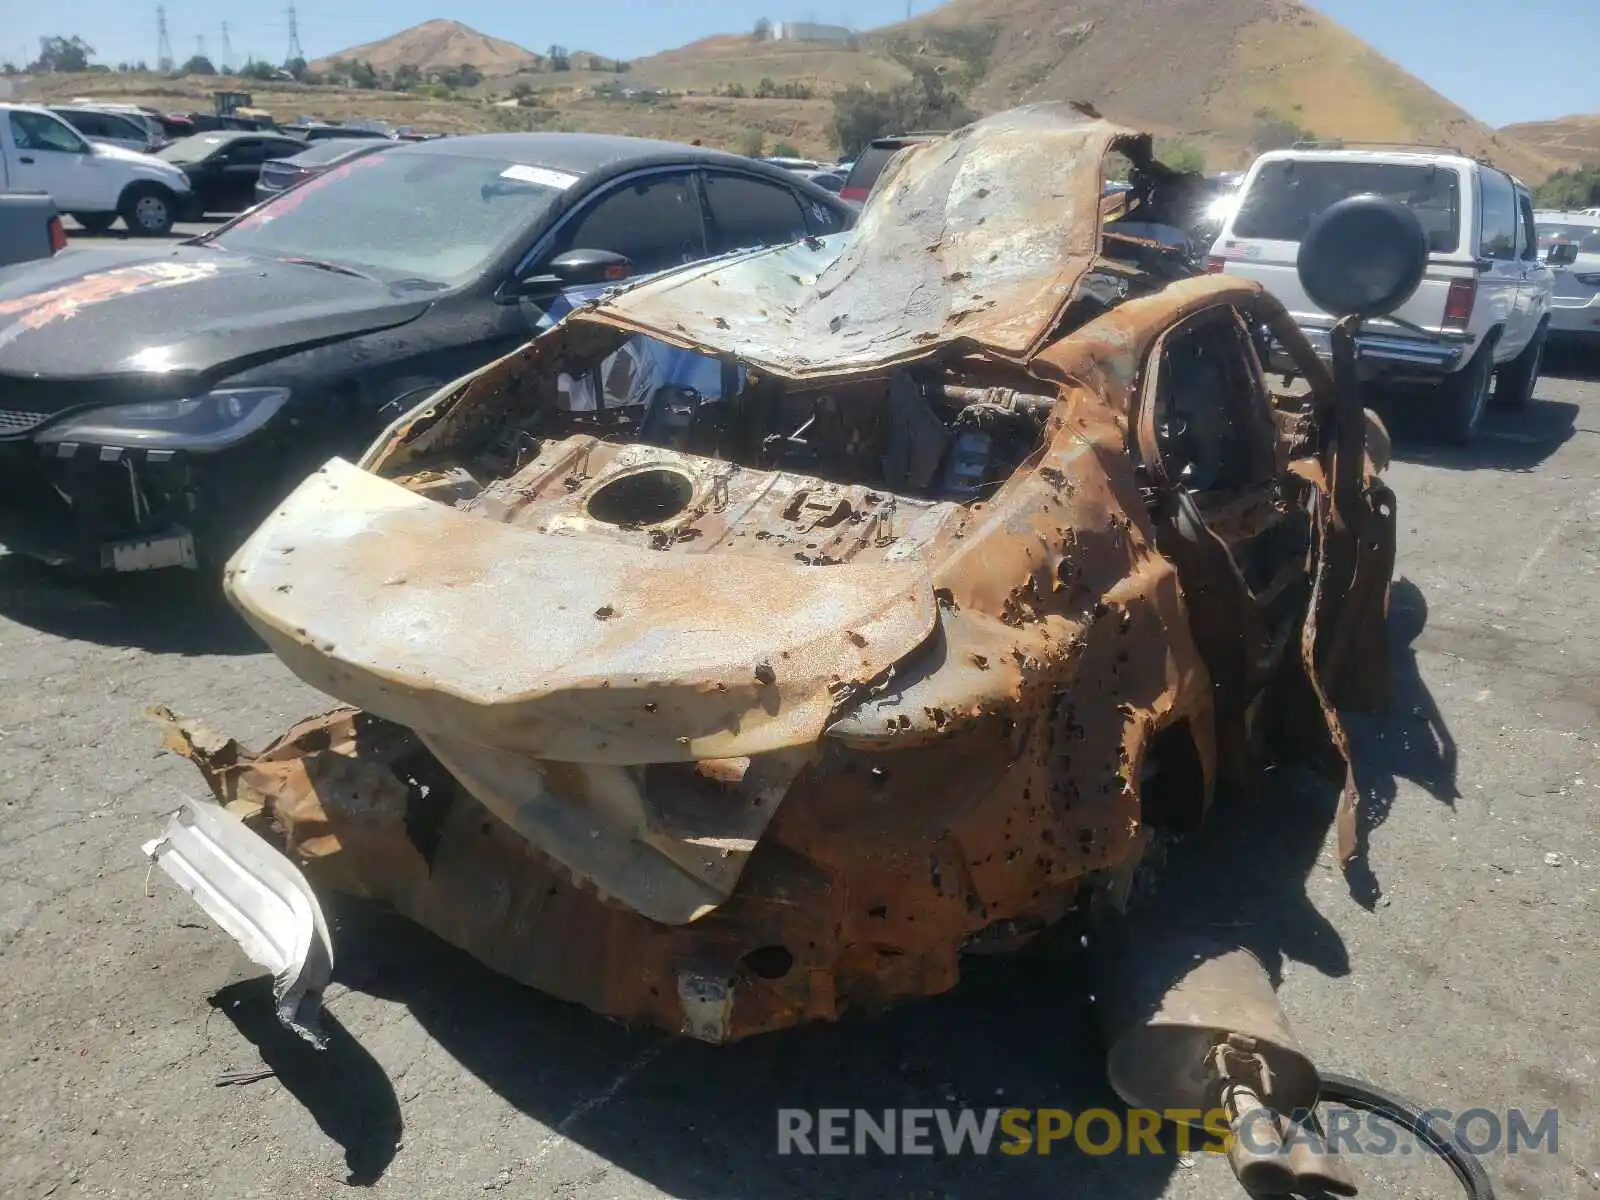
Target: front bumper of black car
column 103, row 508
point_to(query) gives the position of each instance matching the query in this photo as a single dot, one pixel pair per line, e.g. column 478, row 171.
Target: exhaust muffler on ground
column 1193, row 1027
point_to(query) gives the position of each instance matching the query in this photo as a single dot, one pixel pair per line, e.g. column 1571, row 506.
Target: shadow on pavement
column 1506, row 441
column 342, row 1087
column 1572, row 362
column 702, row 1121
column 164, row 612
column 1410, row 741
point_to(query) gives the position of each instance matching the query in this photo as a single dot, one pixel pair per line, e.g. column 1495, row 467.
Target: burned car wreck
column 984, row 558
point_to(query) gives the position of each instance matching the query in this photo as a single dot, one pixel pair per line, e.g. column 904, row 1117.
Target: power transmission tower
column 227, row 50
column 200, row 45
column 163, row 42
column 296, row 51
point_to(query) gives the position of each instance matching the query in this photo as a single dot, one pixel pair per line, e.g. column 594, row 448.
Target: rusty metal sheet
column 563, row 648
column 979, row 237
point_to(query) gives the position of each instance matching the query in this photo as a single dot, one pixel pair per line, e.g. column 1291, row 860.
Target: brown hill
column 1232, row 73
column 1230, row 76
column 439, row 45
column 1570, row 141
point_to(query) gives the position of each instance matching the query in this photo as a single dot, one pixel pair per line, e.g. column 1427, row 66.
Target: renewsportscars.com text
column 1015, row 1131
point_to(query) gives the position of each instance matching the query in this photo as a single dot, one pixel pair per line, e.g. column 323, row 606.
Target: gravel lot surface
column 1469, row 980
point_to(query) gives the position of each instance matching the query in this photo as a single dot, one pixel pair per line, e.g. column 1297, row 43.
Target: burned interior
column 770, row 635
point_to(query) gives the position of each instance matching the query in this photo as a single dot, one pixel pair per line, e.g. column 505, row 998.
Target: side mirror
column 576, row 268
column 1562, row 254
column 1364, row 257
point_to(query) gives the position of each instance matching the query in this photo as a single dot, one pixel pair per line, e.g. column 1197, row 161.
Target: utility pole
column 227, row 50
column 296, row 51
column 163, row 42
column 200, row 45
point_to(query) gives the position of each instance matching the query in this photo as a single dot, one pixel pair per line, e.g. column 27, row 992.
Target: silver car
column 1575, row 306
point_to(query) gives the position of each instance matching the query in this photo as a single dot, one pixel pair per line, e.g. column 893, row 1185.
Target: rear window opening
column 1288, row 194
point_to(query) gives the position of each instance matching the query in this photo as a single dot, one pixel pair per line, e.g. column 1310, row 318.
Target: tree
column 463, row 75
column 297, row 68
column 1273, row 132
column 1570, row 188
column 8, row 68
column 358, row 71
column 861, row 113
column 623, row 66
column 785, row 150
column 63, row 54
column 559, row 60
column 198, row 65
column 752, row 143
column 1183, row 156
column 255, row 69
column 763, row 30
column 407, row 76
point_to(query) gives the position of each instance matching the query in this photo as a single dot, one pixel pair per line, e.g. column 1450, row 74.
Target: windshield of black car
column 196, row 148
column 1288, row 194
column 429, row 216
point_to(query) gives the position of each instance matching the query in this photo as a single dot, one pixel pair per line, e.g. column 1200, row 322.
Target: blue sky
column 1501, row 61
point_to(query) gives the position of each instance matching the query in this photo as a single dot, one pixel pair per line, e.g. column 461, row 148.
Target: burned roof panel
column 979, row 238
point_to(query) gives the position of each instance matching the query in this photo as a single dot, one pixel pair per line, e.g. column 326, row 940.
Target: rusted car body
column 994, row 555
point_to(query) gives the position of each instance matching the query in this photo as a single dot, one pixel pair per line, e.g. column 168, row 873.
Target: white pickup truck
column 39, row 152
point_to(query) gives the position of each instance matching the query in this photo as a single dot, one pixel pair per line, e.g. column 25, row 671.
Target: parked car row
column 100, row 164
column 156, row 404
column 371, row 272
column 95, row 182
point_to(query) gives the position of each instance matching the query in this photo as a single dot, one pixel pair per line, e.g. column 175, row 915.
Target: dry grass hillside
column 717, row 121
column 739, row 59
column 1570, row 141
column 438, row 45
column 1227, row 77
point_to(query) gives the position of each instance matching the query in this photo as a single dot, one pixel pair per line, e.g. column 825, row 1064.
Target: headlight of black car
column 199, row 424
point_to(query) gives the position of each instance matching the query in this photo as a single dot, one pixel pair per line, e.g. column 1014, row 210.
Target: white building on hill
column 809, row 31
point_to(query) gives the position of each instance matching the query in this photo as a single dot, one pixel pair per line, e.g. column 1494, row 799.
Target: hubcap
column 151, row 212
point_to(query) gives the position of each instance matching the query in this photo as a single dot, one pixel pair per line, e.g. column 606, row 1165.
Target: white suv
column 1480, row 318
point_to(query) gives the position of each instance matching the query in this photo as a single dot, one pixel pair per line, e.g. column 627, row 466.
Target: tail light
column 58, row 236
column 1215, row 265
column 1458, row 304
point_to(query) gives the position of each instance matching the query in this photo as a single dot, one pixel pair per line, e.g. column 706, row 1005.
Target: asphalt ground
column 1462, row 969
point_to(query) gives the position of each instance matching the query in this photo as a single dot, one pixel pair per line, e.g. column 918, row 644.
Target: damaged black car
column 156, row 402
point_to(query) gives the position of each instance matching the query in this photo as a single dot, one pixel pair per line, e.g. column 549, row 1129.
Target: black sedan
column 223, row 167
column 280, row 174
column 155, row 403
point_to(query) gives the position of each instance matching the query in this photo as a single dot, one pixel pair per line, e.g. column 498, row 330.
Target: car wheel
column 148, row 210
column 94, row 222
column 1515, row 382
column 1462, row 397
